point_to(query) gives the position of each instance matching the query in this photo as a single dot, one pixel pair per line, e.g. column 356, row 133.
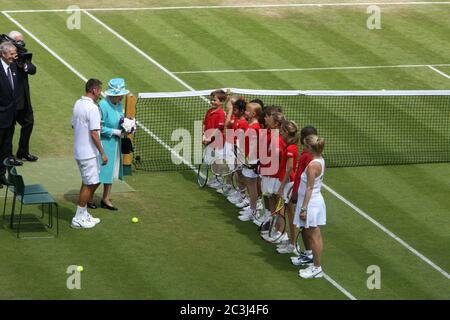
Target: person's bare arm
column 96, row 138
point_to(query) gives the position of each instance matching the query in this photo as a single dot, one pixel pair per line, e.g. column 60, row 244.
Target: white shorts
column 228, row 152
column 269, row 185
column 212, row 153
column 316, row 212
column 249, row 173
column 89, row 170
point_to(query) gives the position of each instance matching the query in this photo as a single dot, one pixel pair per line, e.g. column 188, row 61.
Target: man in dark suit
column 24, row 115
column 8, row 102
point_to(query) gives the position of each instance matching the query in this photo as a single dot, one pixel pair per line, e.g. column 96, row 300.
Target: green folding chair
column 29, row 189
column 32, row 199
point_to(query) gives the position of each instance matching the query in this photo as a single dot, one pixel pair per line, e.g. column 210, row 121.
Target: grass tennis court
column 189, row 243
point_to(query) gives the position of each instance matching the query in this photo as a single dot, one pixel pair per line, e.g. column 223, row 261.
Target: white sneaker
column 235, row 200
column 245, row 202
column 272, row 239
column 283, row 245
column 284, row 237
column 311, row 272
column 234, row 195
column 246, row 217
column 258, row 220
column 265, row 236
column 245, row 210
column 82, row 223
column 302, row 260
column 91, row 218
column 226, row 191
column 214, row 184
column 290, row 248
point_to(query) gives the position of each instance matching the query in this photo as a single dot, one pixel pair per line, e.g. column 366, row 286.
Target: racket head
column 277, row 227
column 202, row 174
column 236, row 181
column 220, row 167
column 299, row 240
column 288, row 194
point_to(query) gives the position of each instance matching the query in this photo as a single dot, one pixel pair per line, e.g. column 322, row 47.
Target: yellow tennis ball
column 80, row 268
column 134, row 220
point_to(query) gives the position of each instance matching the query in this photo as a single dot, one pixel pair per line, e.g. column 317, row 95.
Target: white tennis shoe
column 82, row 223
column 89, row 217
column 311, row 272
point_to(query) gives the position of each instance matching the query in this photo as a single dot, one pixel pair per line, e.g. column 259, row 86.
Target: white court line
column 339, row 287
column 315, row 69
column 142, row 53
column 255, row 6
column 415, row 252
column 432, row 67
column 418, row 254
column 82, row 77
column 388, row 232
column 53, row 53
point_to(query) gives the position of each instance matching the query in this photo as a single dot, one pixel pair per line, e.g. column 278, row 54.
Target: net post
column 130, row 111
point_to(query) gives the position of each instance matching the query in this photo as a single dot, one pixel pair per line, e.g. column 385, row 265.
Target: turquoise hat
column 116, row 87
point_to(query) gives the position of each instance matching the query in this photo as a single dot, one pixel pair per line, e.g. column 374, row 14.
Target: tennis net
column 361, row 128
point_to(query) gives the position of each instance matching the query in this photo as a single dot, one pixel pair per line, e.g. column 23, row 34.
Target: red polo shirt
column 305, row 159
column 291, row 151
column 215, row 119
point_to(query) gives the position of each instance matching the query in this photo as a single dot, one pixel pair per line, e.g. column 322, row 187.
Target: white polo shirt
column 86, row 117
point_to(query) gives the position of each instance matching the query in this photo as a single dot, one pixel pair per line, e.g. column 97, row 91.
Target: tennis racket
column 299, row 240
column 203, row 169
column 273, row 228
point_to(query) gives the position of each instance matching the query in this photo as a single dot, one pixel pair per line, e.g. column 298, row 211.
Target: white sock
column 80, row 212
column 308, row 252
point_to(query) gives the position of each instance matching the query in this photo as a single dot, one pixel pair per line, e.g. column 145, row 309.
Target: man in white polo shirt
column 86, row 124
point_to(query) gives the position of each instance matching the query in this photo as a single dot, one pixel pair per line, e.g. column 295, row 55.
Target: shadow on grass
column 31, row 225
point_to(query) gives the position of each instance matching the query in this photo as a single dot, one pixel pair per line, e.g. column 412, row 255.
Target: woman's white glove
column 116, row 132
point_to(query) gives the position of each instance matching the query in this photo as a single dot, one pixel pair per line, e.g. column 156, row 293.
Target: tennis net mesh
column 361, row 128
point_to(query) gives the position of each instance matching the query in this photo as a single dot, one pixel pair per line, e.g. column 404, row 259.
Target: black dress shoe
column 92, row 205
column 105, row 206
column 27, row 157
column 15, row 162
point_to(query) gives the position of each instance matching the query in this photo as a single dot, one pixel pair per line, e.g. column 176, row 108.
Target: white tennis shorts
column 89, row 170
column 229, row 155
column 269, row 185
column 212, row 154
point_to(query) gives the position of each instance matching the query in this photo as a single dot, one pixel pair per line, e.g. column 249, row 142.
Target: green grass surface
column 188, row 243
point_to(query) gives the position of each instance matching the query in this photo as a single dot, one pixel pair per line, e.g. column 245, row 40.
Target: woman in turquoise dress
column 111, row 132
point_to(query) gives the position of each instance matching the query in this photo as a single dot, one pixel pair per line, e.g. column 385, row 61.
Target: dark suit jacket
column 8, row 97
column 23, row 94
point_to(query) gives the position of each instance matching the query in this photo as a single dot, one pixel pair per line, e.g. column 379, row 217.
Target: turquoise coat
column 111, row 115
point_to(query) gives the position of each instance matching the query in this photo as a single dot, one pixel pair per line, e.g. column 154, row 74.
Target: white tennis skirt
column 316, row 214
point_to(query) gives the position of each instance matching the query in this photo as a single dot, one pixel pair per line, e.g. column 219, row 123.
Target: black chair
column 30, row 189
column 31, row 199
